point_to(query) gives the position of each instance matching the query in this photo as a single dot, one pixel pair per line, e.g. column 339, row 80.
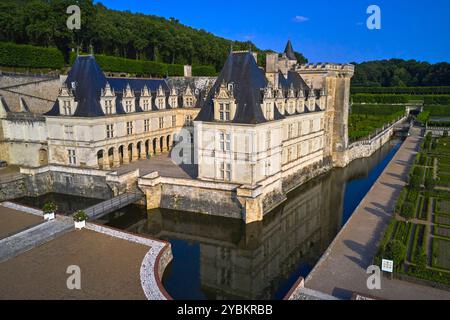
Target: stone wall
column 364, row 149
column 66, row 180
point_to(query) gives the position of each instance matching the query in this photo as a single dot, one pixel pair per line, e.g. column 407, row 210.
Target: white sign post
column 387, row 266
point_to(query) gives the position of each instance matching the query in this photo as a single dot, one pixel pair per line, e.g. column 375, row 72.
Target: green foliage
column 377, row 109
column 203, row 71
column 116, row 33
column 79, row 216
column 380, row 98
column 362, row 125
column 13, row 55
column 49, row 207
column 401, row 200
column 423, row 116
column 401, row 90
column 401, row 73
column 408, row 210
column 438, row 110
column 396, row 251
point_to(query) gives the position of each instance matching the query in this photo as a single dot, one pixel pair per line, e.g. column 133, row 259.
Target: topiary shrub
column 396, row 251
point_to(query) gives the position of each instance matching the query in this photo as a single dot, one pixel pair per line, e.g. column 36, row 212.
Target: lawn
column 442, row 252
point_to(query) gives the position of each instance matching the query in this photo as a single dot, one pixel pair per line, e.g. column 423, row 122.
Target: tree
column 408, row 210
column 396, row 251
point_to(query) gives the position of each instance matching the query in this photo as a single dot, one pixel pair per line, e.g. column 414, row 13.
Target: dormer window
column 268, row 111
column 108, row 100
column 67, row 103
column 108, row 106
column 145, row 104
column 67, row 107
column 128, row 106
column 224, row 104
column 224, row 111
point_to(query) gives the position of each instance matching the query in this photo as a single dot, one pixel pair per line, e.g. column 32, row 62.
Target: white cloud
column 300, row 19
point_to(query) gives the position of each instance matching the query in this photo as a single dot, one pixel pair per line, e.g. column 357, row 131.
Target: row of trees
column 401, row 73
column 117, row 33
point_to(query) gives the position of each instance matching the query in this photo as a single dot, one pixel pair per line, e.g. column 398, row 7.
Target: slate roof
column 248, row 83
column 294, row 79
column 289, row 51
column 89, row 81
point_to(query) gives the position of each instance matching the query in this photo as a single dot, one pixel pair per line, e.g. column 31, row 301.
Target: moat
column 223, row 258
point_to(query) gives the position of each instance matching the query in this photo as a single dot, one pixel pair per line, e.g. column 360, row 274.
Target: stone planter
column 49, row 216
column 80, row 224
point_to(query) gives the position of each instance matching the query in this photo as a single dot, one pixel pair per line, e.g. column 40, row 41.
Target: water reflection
column 67, row 204
column 221, row 258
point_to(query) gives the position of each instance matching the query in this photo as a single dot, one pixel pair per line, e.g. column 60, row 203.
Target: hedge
column 146, row 68
column 443, row 99
column 401, row 90
column 380, row 98
column 15, row 55
column 204, row 71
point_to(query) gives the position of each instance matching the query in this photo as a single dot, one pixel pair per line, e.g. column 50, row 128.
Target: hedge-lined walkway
column 342, row 269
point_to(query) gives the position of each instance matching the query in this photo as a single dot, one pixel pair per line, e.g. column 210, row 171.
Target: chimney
column 188, row 71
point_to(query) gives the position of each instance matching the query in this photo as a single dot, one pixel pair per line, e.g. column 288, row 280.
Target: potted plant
column 80, row 218
column 49, row 210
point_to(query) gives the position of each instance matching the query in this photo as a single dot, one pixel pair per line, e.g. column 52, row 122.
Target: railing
column 113, row 204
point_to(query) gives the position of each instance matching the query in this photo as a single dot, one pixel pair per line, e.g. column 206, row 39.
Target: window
column 189, row 102
column 146, row 125
column 146, row 104
column 174, row 121
column 311, row 126
column 130, row 127
column 289, row 155
column 72, row 156
column 188, row 120
column 161, row 103
column 225, row 171
column 128, row 105
column 269, row 111
column 225, row 141
column 109, row 131
column 268, row 140
column 67, row 106
column 108, row 106
column 267, row 168
column 321, row 124
column 161, row 122
column 224, row 111
column 68, row 131
column 173, row 102
column 290, row 131
column 299, row 129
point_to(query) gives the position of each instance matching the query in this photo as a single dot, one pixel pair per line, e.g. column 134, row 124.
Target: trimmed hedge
column 380, row 98
column 15, row 55
column 146, row 67
column 401, row 90
column 209, row 71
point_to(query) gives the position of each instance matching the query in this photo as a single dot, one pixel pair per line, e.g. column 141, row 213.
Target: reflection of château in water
column 254, row 260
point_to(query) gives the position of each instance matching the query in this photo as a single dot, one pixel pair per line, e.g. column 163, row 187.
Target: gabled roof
column 248, row 80
column 89, row 80
column 294, row 79
column 289, row 51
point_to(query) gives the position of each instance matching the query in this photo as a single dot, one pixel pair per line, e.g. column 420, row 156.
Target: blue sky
column 327, row 30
